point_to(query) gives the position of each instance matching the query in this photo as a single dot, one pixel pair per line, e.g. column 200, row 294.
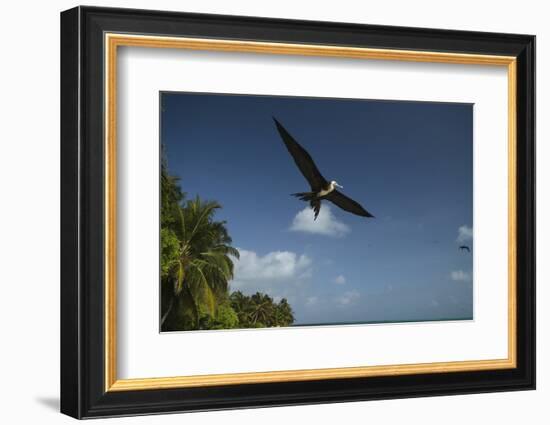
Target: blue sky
column 408, row 163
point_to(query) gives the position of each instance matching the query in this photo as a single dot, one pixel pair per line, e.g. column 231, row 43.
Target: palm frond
column 207, row 210
column 180, row 277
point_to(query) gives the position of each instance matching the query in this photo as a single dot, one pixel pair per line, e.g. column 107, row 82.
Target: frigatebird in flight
column 464, row 248
column 320, row 187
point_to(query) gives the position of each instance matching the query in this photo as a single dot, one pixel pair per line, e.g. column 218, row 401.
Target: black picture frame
column 83, row 392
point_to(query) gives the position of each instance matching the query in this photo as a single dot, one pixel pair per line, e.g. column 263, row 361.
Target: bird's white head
column 333, row 183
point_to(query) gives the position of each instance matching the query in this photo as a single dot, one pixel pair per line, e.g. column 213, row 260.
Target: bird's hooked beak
column 337, row 185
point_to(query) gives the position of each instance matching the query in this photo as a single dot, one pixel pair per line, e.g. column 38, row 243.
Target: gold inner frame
column 113, row 41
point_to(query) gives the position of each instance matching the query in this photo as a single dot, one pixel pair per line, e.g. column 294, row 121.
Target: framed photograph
column 261, row 212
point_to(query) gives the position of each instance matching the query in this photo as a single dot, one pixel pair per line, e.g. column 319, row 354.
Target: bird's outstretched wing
column 302, row 159
column 347, row 204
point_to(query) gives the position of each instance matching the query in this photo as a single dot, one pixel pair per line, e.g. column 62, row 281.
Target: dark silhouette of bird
column 320, row 187
column 464, row 248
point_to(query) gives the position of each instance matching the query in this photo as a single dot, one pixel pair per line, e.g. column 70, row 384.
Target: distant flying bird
column 320, row 188
column 464, row 248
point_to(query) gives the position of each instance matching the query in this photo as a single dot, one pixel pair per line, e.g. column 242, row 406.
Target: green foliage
column 225, row 318
column 196, row 267
column 169, row 252
column 260, row 311
column 171, row 198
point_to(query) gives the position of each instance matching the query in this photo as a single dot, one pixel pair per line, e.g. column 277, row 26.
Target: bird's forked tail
column 305, row 196
column 313, row 199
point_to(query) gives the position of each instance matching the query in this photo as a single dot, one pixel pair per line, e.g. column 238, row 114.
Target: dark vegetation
column 197, row 266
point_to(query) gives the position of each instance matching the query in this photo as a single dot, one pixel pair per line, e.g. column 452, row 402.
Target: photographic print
column 288, row 183
column 300, row 211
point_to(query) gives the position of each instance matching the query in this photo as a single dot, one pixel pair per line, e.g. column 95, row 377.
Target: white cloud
column 465, row 234
column 326, row 223
column 460, row 276
column 348, row 297
column 311, row 301
column 270, row 273
column 340, row 280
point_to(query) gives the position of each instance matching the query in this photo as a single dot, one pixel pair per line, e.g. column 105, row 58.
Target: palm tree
column 262, row 309
column 284, row 315
column 203, row 265
column 243, row 307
